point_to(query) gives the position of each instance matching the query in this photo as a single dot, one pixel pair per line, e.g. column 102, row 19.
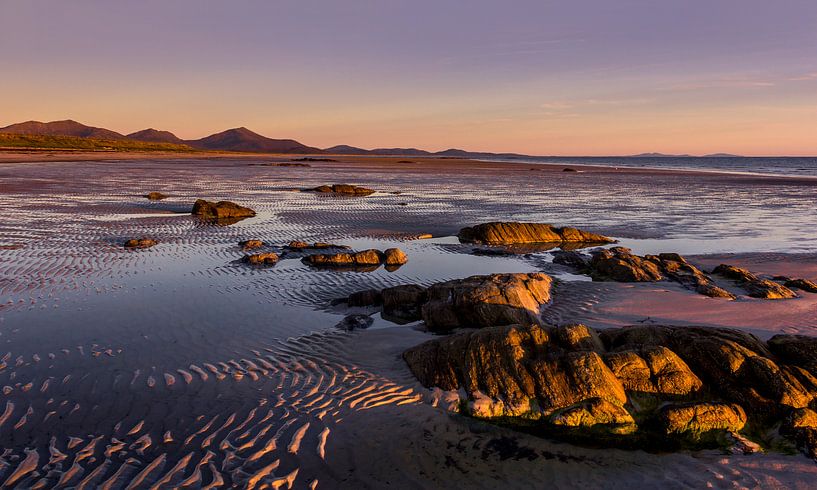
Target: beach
column 179, row 366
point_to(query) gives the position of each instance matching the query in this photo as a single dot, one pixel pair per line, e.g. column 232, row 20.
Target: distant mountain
column 346, row 150
column 721, row 155
column 155, row 136
column 242, row 139
column 414, row 152
column 61, row 128
column 658, row 155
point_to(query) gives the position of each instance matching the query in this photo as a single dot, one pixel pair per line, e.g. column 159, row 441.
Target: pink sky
column 531, row 76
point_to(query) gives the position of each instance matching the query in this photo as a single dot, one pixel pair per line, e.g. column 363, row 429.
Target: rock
column 802, row 284
column 594, row 412
column 140, row 243
column 364, row 258
column 251, row 244
column 676, row 380
column 221, row 210
column 401, row 304
column 755, row 286
column 355, row 322
column 299, row 245
column 514, row 233
column 800, row 350
column 368, row 297
column 576, row 260
column 618, row 264
column 699, row 418
column 269, row 258
column 653, row 369
column 155, row 196
column 568, row 169
column 394, row 256
column 482, row 301
column 346, row 189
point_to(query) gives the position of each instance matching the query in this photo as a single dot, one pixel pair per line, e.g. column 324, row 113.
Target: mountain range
column 243, row 140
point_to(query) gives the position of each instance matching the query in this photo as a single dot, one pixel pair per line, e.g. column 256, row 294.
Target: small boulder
column 346, row 189
column 140, row 243
column 220, row 210
column 155, row 196
column 394, row 256
column 401, row 304
column 802, row 284
column 251, row 244
column 619, row 264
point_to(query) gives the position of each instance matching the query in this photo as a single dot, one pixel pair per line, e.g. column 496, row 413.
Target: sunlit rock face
column 515, row 233
column 651, row 381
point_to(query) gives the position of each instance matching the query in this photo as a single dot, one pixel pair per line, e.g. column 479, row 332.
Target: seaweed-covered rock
column 515, row 233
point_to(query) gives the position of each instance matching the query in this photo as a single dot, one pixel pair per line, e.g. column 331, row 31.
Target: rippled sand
column 175, row 366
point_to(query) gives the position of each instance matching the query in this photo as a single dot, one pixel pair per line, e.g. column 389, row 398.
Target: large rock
column 755, row 286
column 618, row 264
column 350, row 190
column 514, row 233
column 678, row 381
column 482, row 301
column 221, row 210
column 401, row 304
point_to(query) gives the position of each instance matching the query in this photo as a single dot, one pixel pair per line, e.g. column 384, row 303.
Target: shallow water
column 176, row 365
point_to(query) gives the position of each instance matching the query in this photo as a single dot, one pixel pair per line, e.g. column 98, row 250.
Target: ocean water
column 787, row 166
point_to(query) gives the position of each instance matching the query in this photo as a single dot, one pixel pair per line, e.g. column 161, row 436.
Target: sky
column 579, row 77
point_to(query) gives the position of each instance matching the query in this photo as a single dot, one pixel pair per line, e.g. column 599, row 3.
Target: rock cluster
column 220, row 210
column 620, row 264
column 155, row 196
column 514, row 233
column 477, row 301
column 646, row 381
column 755, row 286
column 140, row 243
column 392, row 258
column 346, row 189
column 301, row 245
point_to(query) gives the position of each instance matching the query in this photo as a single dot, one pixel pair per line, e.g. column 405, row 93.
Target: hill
column 61, row 128
column 242, row 139
column 155, row 136
column 51, row 142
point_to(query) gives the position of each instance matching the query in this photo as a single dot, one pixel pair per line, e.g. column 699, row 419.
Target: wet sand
column 175, row 366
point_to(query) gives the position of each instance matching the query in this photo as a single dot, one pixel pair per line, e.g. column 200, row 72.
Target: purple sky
column 533, row 76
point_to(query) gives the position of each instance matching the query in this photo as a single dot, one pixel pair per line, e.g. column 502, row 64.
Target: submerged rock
column 269, row 258
column 655, row 382
column 355, row 322
column 140, row 243
column 155, row 196
column 300, row 245
column 514, row 233
column 755, row 286
column 220, row 210
column 347, row 189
